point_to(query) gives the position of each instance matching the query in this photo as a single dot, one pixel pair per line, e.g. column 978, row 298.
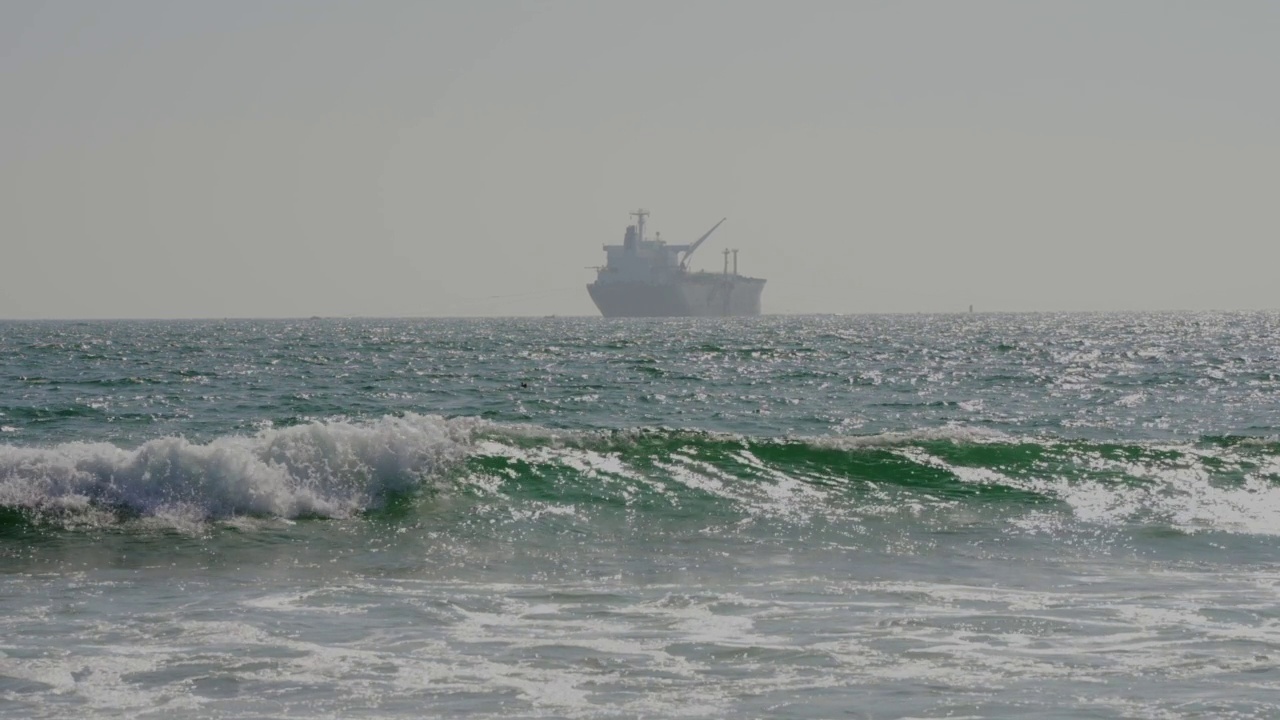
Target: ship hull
column 695, row 295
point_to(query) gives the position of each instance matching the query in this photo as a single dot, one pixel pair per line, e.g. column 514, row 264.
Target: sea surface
column 912, row 516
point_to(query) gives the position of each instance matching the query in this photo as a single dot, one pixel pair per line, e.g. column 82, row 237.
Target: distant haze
column 253, row 159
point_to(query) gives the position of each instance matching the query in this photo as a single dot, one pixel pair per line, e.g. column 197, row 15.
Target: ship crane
column 688, row 249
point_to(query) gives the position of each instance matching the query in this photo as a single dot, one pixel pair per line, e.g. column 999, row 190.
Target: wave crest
column 326, row 469
column 340, row 468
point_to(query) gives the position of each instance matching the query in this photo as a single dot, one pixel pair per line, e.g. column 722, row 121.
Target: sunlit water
column 1057, row 516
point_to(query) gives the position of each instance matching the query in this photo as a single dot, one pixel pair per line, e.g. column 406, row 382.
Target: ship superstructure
column 645, row 277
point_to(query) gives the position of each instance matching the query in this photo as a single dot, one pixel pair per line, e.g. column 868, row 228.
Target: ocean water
column 952, row 516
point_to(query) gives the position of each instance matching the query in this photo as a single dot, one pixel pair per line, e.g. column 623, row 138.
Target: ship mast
column 640, row 215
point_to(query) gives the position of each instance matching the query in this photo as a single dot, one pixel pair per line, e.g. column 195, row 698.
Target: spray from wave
column 325, row 469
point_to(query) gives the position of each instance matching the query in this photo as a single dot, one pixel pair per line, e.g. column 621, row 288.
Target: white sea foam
column 339, row 468
column 329, row 469
column 1182, row 494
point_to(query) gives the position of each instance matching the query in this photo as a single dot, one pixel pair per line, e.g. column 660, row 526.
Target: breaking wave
column 338, row 468
column 325, row 469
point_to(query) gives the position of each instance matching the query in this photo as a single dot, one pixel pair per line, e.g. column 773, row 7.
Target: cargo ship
column 646, row 277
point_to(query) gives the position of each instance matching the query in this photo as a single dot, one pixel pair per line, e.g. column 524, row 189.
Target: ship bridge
column 640, row 259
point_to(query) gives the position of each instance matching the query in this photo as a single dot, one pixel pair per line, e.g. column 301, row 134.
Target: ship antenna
column 640, row 214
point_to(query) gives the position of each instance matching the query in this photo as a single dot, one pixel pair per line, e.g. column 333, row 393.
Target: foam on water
column 1200, row 490
column 588, row 649
column 339, row 468
column 327, row 469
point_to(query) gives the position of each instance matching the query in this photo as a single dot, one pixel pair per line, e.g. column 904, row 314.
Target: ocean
column 899, row 516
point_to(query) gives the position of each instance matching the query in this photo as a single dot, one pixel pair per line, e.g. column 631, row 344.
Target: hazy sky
column 214, row 159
